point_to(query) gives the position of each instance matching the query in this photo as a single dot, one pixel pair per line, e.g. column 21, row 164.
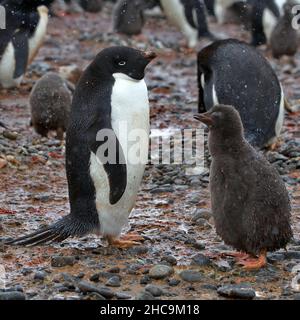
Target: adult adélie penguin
column 235, row 73
column 111, row 95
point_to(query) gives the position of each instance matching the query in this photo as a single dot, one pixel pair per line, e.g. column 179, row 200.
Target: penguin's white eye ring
column 122, row 63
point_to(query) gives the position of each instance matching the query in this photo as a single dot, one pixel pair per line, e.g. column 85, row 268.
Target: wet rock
column 170, row 259
column 113, row 282
column 173, row 282
column 114, row 270
column 191, row 276
column 40, row 276
column 145, row 280
column 236, row 291
column 223, row 265
column 123, row 296
column 275, row 257
column 201, row 260
column 95, row 277
column 144, row 295
column 11, row 135
column 160, row 271
column 201, row 214
column 62, row 261
column 86, row 287
column 12, row 295
column 199, row 245
column 292, row 255
column 162, row 190
column 138, row 250
column 154, row 290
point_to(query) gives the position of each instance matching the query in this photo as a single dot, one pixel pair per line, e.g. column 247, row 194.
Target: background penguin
column 20, row 42
column 93, row 6
column 190, row 17
column 250, row 203
column 50, row 104
column 111, row 92
column 235, row 73
column 128, row 17
column 284, row 38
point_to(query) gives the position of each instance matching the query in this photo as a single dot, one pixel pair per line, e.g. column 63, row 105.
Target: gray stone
column 201, row 260
column 113, row 282
column 154, row 290
column 160, row 271
column 86, row 287
column 144, row 295
column 236, row 291
column 201, row 214
column 191, row 276
column 62, row 261
column 12, row 295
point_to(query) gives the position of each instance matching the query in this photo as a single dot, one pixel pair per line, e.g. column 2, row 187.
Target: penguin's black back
column 243, row 78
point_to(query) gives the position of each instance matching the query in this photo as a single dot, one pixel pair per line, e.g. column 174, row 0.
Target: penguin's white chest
column 130, row 123
column 175, row 13
column 7, row 68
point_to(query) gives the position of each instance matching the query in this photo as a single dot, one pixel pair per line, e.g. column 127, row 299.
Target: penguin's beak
column 204, row 118
column 149, row 55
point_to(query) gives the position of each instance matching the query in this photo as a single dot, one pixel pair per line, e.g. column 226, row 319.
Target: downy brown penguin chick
column 50, row 103
column 284, row 38
column 128, row 17
column 250, row 203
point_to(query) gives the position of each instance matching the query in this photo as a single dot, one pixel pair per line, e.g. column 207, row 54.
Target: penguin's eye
column 122, row 63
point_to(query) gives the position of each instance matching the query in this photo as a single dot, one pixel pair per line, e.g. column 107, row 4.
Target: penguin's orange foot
column 237, row 255
column 123, row 244
column 254, row 264
column 133, row 236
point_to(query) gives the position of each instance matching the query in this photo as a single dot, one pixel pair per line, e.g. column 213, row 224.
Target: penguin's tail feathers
column 57, row 232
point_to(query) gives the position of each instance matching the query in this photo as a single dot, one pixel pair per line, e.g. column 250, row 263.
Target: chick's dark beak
column 149, row 55
column 204, row 118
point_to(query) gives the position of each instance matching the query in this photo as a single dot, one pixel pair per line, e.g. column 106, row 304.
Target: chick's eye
column 122, row 63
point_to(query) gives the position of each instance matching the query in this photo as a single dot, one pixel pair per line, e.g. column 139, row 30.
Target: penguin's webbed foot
column 254, row 263
column 127, row 241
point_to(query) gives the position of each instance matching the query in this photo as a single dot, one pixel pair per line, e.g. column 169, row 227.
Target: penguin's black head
column 224, row 119
column 123, row 60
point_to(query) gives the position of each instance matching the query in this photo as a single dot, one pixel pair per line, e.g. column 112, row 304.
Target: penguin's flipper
column 116, row 172
column 201, row 104
column 20, row 44
column 57, row 232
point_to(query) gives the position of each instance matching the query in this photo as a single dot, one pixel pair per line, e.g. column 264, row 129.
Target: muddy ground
column 172, row 210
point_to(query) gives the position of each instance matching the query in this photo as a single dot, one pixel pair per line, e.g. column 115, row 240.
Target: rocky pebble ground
column 180, row 257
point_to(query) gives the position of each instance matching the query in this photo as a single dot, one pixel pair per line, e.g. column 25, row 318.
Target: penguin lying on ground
column 250, row 203
column 284, row 38
column 50, row 105
column 233, row 72
column 111, row 98
column 20, row 41
column 190, row 17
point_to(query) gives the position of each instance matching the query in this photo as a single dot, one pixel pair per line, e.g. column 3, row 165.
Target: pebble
column 11, row 135
column 201, row 214
column 154, row 290
column 223, row 265
column 199, row 245
column 113, row 282
column 201, row 260
column 123, row 296
column 160, row 271
column 3, row 163
column 144, row 295
column 170, row 259
column 236, row 291
column 114, row 270
column 292, row 255
column 191, row 276
column 62, row 261
column 145, row 280
column 86, row 287
column 12, row 295
column 173, row 282
column 39, row 275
